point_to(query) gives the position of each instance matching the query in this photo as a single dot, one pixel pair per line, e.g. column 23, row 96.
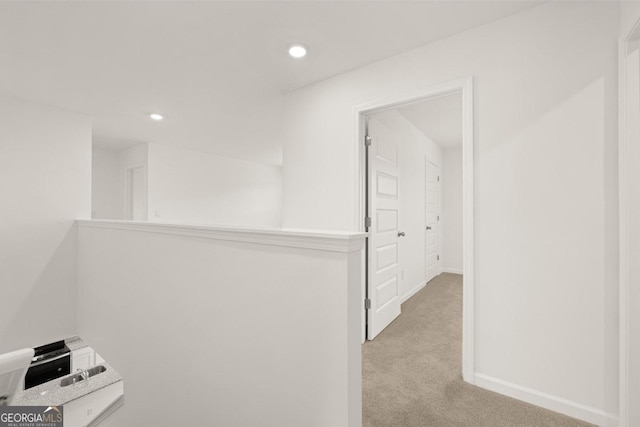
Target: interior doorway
column 381, row 210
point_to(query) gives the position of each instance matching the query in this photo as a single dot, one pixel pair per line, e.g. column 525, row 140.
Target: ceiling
column 439, row 118
column 216, row 70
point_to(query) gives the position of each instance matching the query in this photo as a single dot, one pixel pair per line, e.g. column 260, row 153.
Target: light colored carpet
column 412, row 371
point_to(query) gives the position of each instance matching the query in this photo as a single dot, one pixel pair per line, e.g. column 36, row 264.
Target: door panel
column 387, row 256
column 387, row 151
column 387, row 220
column 383, row 208
column 386, row 292
column 432, row 218
column 386, row 185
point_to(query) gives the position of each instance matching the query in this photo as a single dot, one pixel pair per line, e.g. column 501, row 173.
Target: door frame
column 128, row 170
column 625, row 175
column 465, row 87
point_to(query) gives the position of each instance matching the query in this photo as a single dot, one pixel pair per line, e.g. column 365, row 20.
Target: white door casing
column 632, row 223
column 629, row 210
column 384, row 204
column 432, row 220
column 360, row 112
column 135, row 194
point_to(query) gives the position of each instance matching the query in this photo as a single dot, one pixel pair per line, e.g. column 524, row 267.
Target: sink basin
column 79, row 376
column 96, row 370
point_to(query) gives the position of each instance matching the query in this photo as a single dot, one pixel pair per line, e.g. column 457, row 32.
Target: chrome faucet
column 84, row 374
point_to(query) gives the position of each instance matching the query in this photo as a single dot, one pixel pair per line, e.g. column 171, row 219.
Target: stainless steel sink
column 82, row 375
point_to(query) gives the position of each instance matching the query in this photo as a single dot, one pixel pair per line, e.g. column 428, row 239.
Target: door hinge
column 367, row 304
column 438, row 179
column 367, row 222
column 438, row 257
column 438, row 217
column 367, row 140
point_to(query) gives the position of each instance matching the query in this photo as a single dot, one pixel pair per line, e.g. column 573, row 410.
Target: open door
column 383, row 300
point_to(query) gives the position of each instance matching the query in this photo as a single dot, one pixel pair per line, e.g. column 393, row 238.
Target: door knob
column 400, row 233
column 428, row 228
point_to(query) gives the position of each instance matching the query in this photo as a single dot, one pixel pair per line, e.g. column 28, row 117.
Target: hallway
column 412, row 371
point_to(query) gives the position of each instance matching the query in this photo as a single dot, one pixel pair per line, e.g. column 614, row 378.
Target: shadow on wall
column 557, row 173
column 45, row 309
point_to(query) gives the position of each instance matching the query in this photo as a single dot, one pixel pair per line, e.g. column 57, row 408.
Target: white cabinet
column 99, row 359
column 82, row 358
column 93, row 408
column 85, row 358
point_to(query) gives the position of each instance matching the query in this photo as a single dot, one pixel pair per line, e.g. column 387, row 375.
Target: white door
column 432, row 219
column 383, row 209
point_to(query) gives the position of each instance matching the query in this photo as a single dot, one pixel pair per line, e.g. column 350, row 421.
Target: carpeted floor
column 412, row 371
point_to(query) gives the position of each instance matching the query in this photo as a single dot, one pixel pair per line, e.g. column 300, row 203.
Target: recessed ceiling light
column 156, row 116
column 297, row 51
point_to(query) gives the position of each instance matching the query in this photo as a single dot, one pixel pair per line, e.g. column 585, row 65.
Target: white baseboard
column 412, row 292
column 547, row 401
column 453, row 270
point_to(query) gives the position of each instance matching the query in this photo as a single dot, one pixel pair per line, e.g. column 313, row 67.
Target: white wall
column 199, row 188
column 106, row 188
column 45, row 170
column 413, row 147
column 233, row 328
column 452, row 210
column 546, row 309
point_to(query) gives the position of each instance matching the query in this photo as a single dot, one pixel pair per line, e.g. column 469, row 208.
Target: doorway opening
column 384, row 211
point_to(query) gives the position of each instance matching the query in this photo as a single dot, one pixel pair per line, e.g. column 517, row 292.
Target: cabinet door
column 83, row 358
column 99, row 404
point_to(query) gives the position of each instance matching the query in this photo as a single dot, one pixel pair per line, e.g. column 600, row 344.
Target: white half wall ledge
column 547, row 401
column 216, row 286
column 333, row 241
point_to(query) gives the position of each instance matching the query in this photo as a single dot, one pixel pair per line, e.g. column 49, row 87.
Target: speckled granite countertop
column 52, row 393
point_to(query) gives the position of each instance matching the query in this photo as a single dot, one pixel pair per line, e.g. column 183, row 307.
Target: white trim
column 304, row 239
column 547, row 401
column 440, row 215
column 624, row 212
column 360, row 166
column 465, row 86
column 453, row 270
column 412, row 292
column 127, row 189
column 468, row 234
column 623, row 292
